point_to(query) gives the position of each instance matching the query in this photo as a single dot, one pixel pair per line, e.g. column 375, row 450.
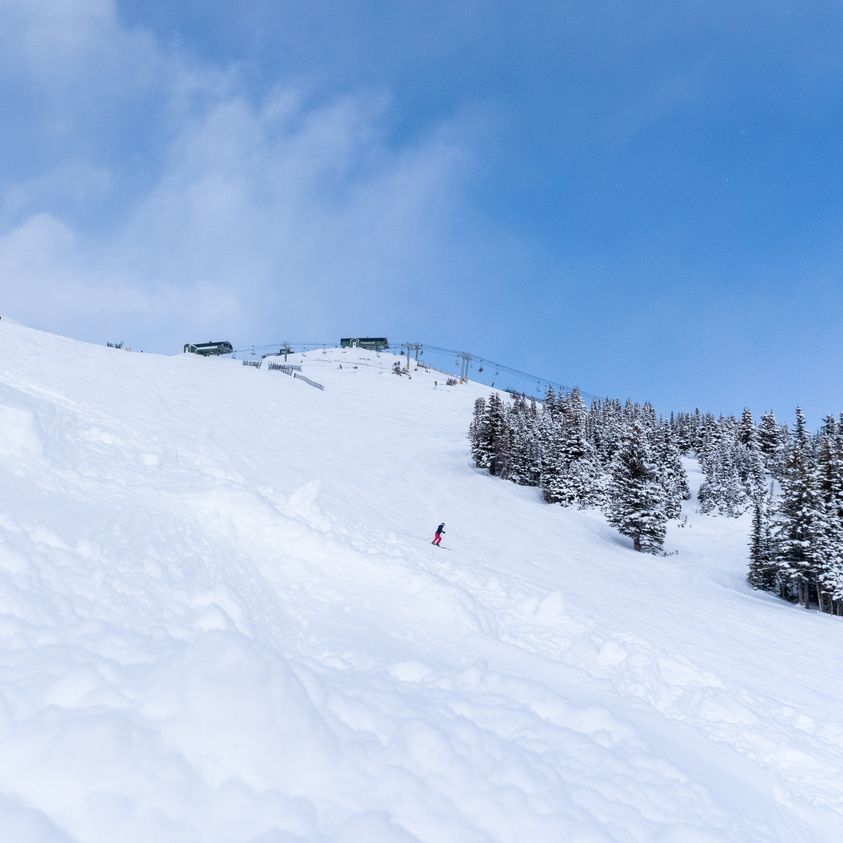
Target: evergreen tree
column 491, row 436
column 548, row 430
column 574, row 455
column 611, row 430
column 636, row 499
column 722, row 490
column 552, row 403
column 752, row 471
column 708, row 443
column 830, row 467
column 672, row 474
column 746, row 429
column 476, row 434
column 520, row 435
column 524, row 457
column 682, row 432
column 500, row 438
column 762, row 569
column 771, row 442
column 552, row 477
column 799, row 519
column 696, row 430
column 829, row 553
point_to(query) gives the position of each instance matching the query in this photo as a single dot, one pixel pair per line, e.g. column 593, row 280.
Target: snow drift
column 221, row 619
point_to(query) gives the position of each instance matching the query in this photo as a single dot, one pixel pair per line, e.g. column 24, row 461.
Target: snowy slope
column 221, row 619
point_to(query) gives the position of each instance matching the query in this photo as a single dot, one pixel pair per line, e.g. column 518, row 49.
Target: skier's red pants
column 437, row 538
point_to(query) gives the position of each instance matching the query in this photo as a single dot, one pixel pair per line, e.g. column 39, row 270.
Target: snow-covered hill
column 221, row 619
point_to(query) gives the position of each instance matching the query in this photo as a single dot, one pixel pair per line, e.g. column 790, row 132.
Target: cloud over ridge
column 248, row 207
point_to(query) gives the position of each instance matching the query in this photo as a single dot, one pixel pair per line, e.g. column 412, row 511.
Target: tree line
column 796, row 544
column 621, row 458
column 625, row 460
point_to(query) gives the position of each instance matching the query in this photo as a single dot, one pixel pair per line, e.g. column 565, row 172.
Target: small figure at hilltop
column 439, row 532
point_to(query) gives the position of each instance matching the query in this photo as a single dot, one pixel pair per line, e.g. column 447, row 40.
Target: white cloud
column 51, row 279
column 72, row 182
column 261, row 215
column 71, row 41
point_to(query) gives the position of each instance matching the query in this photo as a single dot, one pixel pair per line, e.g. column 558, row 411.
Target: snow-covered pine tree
column 696, row 430
column 535, row 458
column 830, row 466
column 825, row 553
column 762, row 569
column 829, row 475
column 500, row 436
column 708, row 443
column 575, row 455
column 682, row 432
column 636, row 499
column 728, row 429
column 771, row 442
column 550, row 437
column 647, row 415
column 611, row 430
column 552, row 403
column 752, row 471
column 833, row 586
column 594, row 430
column 552, row 479
column 532, row 419
column 799, row 519
column 523, row 444
column 746, row 428
column 722, row 491
column 476, row 434
column 749, row 461
column 733, row 499
column 490, row 436
column 834, row 578
column 672, row 474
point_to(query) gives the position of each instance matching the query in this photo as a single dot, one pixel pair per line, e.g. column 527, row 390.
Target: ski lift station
column 208, row 349
column 369, row 343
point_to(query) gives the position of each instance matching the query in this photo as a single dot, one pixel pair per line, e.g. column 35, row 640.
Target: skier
column 439, row 531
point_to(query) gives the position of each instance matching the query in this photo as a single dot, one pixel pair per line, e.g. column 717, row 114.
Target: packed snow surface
column 222, row 620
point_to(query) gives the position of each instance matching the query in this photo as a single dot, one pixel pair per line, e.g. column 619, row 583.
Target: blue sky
column 642, row 198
